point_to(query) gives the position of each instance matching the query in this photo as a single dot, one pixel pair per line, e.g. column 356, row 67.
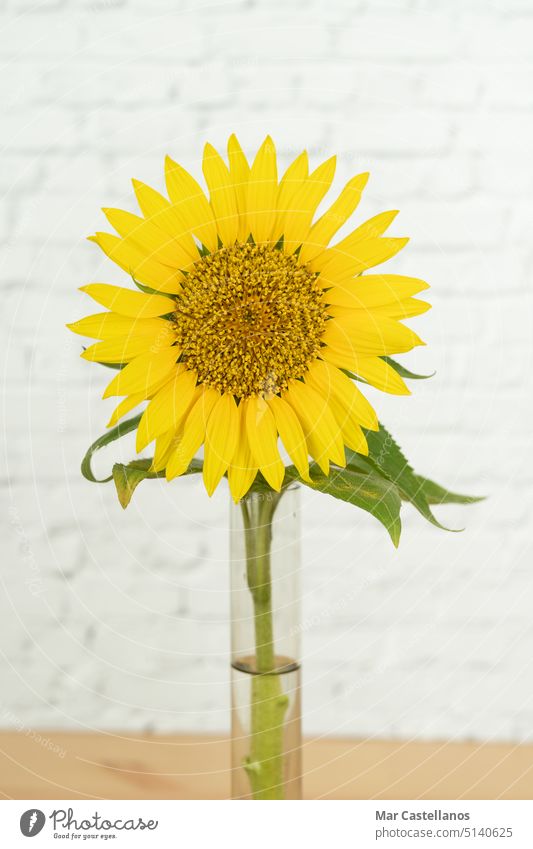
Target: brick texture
column 120, row 620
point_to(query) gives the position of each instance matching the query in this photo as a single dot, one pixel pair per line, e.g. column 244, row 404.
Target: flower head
column 249, row 321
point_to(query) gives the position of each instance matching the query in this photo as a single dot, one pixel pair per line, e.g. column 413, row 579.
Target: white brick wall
column 115, row 619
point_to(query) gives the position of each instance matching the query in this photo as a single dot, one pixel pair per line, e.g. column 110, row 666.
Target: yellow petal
column 373, row 290
column 191, row 204
column 344, row 405
column 322, row 432
column 372, row 369
column 243, row 469
column 367, row 333
column 123, row 349
column 143, row 373
column 381, row 375
column 164, row 215
column 168, row 407
column 157, row 244
column 327, row 225
column 127, row 302
column 109, row 325
column 132, row 259
column 370, row 229
column 330, row 382
column 221, row 195
column 221, row 438
column 353, row 244
column 240, row 173
column 347, row 422
column 262, row 192
column 290, row 183
column 165, row 444
column 352, row 434
column 193, row 432
column 263, row 439
column 132, row 401
column 408, row 308
column 291, row 434
column 125, row 406
column 305, row 202
column 335, row 264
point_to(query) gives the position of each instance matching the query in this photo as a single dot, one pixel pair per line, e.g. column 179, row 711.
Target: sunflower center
column 249, row 318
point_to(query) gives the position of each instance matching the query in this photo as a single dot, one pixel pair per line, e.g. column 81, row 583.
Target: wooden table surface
column 52, row 765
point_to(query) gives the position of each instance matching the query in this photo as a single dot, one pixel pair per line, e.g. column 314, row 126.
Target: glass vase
column 265, row 637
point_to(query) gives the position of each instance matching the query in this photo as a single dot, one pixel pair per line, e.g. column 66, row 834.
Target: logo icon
column 32, row 822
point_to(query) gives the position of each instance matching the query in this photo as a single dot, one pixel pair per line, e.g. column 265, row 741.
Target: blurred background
column 119, row 620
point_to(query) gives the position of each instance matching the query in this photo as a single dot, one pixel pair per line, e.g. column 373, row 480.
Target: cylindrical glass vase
column 265, row 637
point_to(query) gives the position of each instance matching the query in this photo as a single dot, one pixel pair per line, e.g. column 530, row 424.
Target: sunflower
column 250, row 328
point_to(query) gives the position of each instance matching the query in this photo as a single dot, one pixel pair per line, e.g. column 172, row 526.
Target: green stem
column 265, row 761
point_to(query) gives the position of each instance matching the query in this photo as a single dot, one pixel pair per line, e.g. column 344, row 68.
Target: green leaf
column 145, row 464
column 127, row 477
column 404, row 372
column 369, row 491
column 387, row 457
column 437, row 494
column 111, row 436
